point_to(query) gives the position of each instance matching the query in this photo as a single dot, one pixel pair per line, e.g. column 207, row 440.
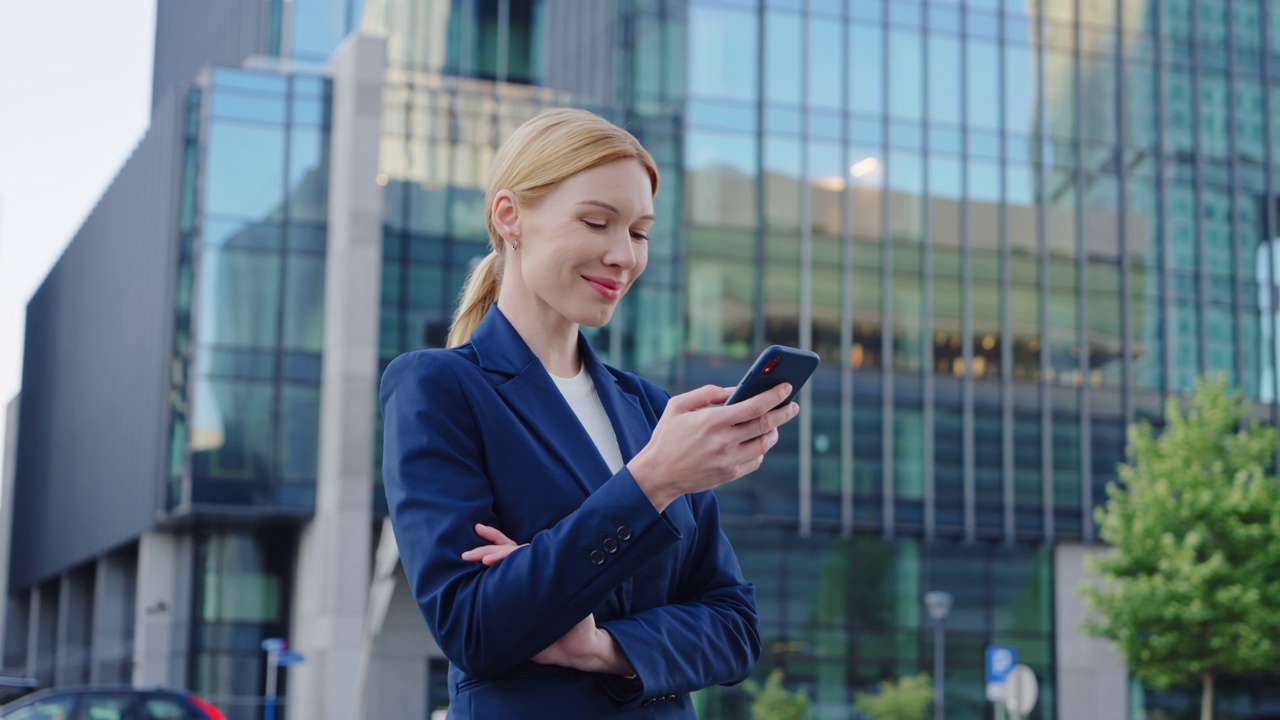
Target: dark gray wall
column 191, row 34
column 92, row 435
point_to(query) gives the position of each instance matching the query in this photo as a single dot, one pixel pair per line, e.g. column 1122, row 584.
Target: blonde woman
column 554, row 514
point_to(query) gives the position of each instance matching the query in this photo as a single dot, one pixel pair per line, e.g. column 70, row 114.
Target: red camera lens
column 769, row 368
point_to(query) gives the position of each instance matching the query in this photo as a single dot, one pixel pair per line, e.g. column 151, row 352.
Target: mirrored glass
column 825, row 63
column 245, row 175
column 867, row 74
column 722, row 53
column 239, row 298
column 906, row 75
column 304, row 303
column 783, row 47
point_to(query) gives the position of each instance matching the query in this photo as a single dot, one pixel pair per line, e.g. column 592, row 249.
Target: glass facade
column 254, row 224
column 242, row 594
column 1009, row 228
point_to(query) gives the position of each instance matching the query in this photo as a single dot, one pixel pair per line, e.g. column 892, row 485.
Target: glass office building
column 1011, row 228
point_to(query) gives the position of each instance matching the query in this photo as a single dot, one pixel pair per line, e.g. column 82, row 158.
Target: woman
column 553, row 514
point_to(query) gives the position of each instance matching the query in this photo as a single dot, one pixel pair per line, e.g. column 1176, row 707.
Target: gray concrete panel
column 93, row 442
column 580, row 51
column 16, row 617
column 162, row 611
column 334, row 551
column 191, row 34
column 114, row 600
column 9, row 621
column 75, row 615
column 42, row 632
column 1093, row 682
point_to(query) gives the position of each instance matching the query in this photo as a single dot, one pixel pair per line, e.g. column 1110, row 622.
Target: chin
column 595, row 318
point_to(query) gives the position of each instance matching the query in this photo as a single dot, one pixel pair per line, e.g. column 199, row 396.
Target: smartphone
column 776, row 365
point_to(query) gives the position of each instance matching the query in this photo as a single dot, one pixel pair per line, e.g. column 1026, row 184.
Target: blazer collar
column 533, row 395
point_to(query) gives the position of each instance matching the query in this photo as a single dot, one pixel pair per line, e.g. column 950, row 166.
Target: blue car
column 110, row 703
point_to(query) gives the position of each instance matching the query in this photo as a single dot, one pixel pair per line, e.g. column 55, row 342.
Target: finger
column 494, row 558
column 748, row 467
column 700, row 398
column 477, row 553
column 739, row 413
column 769, row 421
column 502, row 553
column 759, row 446
column 493, row 535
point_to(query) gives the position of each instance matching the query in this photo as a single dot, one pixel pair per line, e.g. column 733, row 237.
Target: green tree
column 1189, row 588
column 907, row 698
column 775, row 702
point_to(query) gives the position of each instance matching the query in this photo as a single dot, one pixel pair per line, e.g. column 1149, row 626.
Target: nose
column 622, row 251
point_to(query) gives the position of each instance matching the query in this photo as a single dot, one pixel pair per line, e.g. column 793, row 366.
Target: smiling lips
column 611, row 289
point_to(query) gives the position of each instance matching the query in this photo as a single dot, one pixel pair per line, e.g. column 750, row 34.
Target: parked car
column 110, row 703
column 13, row 687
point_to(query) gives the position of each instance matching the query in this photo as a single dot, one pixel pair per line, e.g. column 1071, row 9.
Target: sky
column 75, row 98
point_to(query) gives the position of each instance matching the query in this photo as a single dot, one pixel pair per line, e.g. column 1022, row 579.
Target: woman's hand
column 585, row 647
column 491, row 554
column 696, row 447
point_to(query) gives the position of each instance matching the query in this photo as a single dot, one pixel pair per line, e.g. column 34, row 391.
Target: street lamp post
column 938, row 604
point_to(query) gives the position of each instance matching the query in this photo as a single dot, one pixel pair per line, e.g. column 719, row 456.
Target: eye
column 636, row 235
column 593, row 225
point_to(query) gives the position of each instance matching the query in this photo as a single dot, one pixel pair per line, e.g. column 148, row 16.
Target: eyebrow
column 612, row 209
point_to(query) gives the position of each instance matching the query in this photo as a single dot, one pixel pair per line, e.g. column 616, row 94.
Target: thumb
column 700, row 398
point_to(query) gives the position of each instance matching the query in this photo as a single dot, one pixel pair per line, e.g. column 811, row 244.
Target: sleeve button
column 597, row 557
column 610, row 545
column 624, row 533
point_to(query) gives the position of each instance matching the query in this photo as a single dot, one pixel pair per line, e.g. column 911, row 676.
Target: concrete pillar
column 75, row 615
column 334, row 550
column 17, row 615
column 398, row 647
column 42, row 631
column 8, row 475
column 1093, row 682
column 114, row 600
column 162, row 609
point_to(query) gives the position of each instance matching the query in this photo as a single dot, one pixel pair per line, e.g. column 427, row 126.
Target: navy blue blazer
column 480, row 434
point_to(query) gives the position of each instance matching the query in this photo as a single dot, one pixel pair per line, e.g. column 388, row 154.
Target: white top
column 581, row 395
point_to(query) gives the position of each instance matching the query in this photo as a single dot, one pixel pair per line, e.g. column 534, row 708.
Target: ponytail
column 478, row 294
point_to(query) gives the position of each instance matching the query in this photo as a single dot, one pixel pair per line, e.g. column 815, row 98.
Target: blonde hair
column 544, row 151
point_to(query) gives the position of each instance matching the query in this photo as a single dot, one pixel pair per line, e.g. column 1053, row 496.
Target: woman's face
column 585, row 242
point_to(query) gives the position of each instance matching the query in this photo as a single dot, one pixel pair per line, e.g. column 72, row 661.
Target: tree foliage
column 1189, row 588
column 907, row 698
column 775, row 702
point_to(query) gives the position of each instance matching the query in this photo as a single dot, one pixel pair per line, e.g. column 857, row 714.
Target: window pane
column 245, row 175
column 722, row 53
column 906, row 77
column 304, row 302
column 826, row 71
column 866, row 76
column 239, row 298
column 783, row 55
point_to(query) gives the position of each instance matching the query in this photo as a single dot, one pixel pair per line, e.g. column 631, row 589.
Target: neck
column 552, row 338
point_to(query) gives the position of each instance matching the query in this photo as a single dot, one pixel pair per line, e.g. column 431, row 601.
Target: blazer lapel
column 532, row 394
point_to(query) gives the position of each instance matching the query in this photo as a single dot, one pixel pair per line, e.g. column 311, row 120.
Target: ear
column 506, row 216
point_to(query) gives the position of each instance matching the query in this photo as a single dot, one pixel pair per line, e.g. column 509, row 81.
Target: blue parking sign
column 1000, row 662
